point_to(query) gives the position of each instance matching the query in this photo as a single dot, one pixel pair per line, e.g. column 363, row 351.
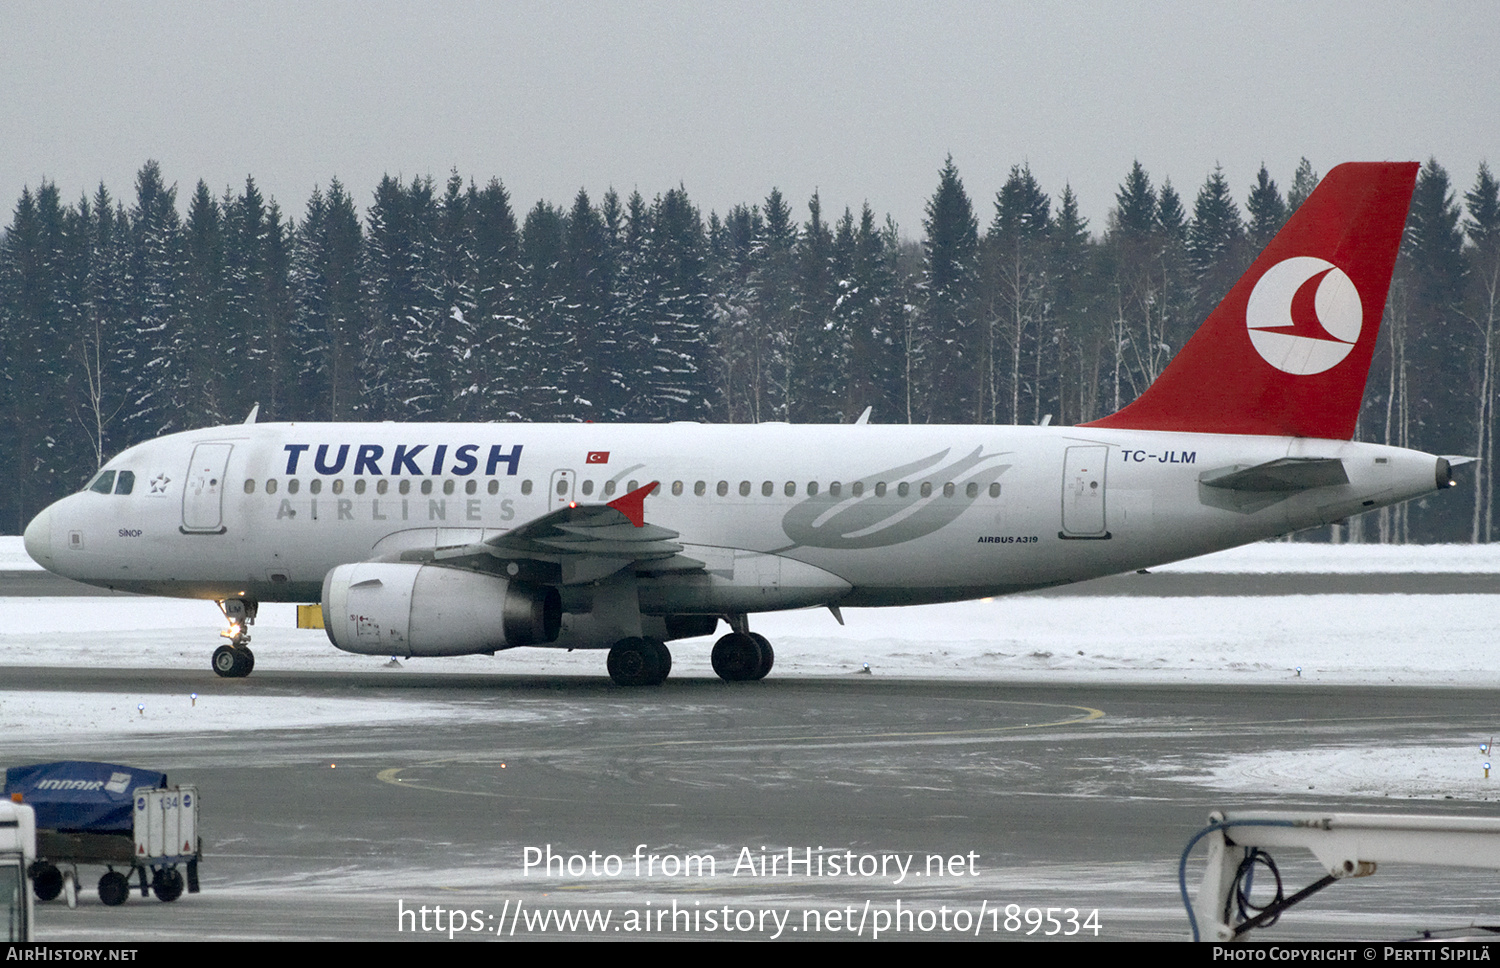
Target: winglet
column 633, row 505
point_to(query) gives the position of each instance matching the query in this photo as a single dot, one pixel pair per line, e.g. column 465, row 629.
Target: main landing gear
column 743, row 657
column 639, row 662
column 235, row 660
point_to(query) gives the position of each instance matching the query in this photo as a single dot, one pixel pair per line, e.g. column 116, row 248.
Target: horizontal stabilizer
column 1286, row 474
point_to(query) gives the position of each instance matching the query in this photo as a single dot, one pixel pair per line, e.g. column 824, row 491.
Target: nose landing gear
column 235, row 660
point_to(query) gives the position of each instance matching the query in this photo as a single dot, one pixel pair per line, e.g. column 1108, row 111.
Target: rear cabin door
column 1083, row 492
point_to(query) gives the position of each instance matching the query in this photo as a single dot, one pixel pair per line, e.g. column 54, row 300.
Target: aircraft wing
column 576, row 544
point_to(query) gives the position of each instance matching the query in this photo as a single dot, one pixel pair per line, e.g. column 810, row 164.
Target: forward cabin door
column 203, row 491
column 1083, row 492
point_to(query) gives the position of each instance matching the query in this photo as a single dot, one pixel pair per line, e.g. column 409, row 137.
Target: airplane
column 453, row 539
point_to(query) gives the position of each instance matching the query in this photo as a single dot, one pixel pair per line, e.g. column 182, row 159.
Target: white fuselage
column 779, row 516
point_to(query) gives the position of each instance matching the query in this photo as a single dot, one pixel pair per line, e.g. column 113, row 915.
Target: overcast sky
column 858, row 101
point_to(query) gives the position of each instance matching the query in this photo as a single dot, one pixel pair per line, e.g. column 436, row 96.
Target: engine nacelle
column 407, row 609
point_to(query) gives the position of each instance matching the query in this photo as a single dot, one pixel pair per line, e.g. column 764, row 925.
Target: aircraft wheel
column 231, row 663
column 635, row 662
column 663, row 659
column 737, row 658
column 46, row 880
column 167, row 884
column 114, row 888
column 767, row 655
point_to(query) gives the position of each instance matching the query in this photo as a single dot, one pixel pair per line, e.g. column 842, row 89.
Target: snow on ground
column 1438, row 640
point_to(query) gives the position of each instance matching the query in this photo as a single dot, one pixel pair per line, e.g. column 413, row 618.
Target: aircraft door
column 203, row 490
column 1083, row 492
column 560, row 494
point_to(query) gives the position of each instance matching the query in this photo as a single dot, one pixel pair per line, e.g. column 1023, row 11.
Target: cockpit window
column 104, row 483
column 125, row 482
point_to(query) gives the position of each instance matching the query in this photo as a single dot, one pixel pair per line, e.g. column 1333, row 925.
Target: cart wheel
column 167, row 883
column 114, row 888
column 46, row 880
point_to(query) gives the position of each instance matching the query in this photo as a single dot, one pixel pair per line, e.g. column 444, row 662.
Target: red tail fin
column 1287, row 351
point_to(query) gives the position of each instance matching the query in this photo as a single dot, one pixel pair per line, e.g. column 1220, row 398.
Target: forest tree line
column 125, row 319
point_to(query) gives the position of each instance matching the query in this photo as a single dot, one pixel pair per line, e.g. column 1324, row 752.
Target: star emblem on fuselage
column 159, row 484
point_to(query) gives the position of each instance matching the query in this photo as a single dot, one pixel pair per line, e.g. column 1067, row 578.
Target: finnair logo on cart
column 1304, row 315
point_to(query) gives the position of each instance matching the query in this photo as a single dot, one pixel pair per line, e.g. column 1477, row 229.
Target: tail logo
column 1304, row 315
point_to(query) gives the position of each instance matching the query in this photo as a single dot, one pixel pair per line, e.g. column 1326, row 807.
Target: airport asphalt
column 1073, row 797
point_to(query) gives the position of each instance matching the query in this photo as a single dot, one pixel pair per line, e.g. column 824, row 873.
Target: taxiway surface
column 1071, row 797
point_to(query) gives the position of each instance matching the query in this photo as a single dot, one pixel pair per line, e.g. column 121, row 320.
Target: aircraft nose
column 39, row 538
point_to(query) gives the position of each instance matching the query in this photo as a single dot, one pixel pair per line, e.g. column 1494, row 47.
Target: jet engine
column 407, row 609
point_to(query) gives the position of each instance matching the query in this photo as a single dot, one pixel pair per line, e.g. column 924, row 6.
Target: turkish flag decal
column 598, row 457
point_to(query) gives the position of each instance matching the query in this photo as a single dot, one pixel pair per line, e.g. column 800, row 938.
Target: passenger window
column 271, row 486
column 903, row 489
column 427, row 485
column 949, row 489
column 588, row 488
column 744, row 488
column 835, row 489
column 338, row 485
column 654, row 491
column 359, row 485
column 448, row 487
column 927, row 489
column 609, row 488
column 994, row 490
column 880, row 489
column 315, row 486
column 562, row 486
column 972, row 490
column 249, row 487
column 471, row 486
column 104, row 483
column 382, row 485
column 677, row 489
column 767, row 489
column 125, row 483
column 632, row 486
column 701, row 488
column 404, row 487
column 812, row 488
column 291, row 486
column 525, row 487
column 790, row 488
column 494, row 487
column 722, row 489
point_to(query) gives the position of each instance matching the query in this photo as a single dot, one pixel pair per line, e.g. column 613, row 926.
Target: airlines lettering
column 437, row 510
column 1170, row 457
column 404, row 460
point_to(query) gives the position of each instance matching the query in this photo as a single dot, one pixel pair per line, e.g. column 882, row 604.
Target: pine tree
column 1304, row 180
column 951, row 387
column 1216, row 238
column 1083, row 340
column 1016, row 250
column 499, row 336
column 1268, row 213
column 163, row 396
column 815, row 356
